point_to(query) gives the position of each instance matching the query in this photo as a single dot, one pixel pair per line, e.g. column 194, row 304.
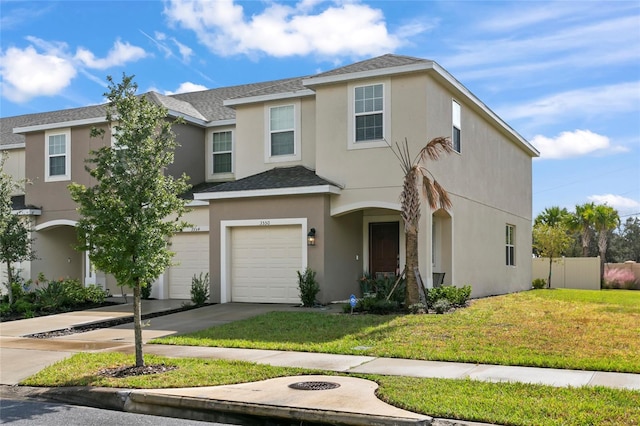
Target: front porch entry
column 384, row 248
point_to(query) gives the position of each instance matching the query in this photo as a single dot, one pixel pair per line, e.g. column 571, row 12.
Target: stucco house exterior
column 275, row 162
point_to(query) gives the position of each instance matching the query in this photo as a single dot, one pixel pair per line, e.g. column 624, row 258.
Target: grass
column 572, row 329
column 500, row 403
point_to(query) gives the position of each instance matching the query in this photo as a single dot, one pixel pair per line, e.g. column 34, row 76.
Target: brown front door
column 384, row 247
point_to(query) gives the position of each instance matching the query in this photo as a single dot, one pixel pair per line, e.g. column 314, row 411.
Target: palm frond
column 434, row 149
column 430, row 192
column 443, row 196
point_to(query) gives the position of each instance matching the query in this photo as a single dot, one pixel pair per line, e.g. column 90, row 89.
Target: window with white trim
column 282, row 130
column 369, row 112
column 456, row 125
column 222, row 152
column 510, row 245
column 57, row 155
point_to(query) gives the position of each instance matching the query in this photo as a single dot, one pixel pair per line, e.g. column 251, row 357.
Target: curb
column 203, row 409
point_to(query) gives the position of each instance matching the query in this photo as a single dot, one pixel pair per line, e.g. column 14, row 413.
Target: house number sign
column 265, row 223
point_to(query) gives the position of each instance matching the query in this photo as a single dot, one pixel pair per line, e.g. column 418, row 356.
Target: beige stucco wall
column 14, row 166
column 489, row 181
column 250, row 137
column 57, row 257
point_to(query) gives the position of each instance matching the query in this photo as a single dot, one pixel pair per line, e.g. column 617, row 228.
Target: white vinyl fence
column 569, row 272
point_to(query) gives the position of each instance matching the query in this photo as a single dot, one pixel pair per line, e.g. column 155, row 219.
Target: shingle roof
column 277, row 178
column 380, row 62
column 207, row 105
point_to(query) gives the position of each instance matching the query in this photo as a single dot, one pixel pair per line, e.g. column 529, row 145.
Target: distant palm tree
column 606, row 219
column 583, row 221
column 553, row 216
column 417, row 177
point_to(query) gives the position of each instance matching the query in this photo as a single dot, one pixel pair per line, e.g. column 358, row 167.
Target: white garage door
column 264, row 262
column 192, row 257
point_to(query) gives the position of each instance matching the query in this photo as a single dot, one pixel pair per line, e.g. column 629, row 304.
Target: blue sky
column 564, row 74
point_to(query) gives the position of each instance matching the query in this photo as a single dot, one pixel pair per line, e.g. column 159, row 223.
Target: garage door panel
column 264, row 261
column 191, row 258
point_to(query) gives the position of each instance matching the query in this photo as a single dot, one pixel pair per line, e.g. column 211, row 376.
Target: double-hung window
column 510, row 245
column 456, row 125
column 222, row 145
column 369, row 112
column 282, row 130
column 57, row 155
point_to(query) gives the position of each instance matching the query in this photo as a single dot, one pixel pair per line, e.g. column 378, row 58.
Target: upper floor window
column 368, row 108
column 510, row 245
column 282, row 130
column 369, row 115
column 57, row 155
column 282, row 133
column 222, row 144
column 456, row 125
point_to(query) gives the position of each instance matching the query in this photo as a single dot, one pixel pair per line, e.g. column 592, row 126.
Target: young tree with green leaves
column 129, row 215
column 550, row 241
column 417, row 178
column 15, row 241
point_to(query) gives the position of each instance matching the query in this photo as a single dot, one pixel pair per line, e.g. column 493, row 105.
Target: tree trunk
column 137, row 323
column 602, row 248
column 9, row 282
column 412, row 294
column 550, row 265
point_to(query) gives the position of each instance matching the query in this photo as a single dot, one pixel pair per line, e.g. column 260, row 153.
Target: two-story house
column 298, row 172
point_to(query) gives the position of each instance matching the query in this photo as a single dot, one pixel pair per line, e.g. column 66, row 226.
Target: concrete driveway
column 21, row 356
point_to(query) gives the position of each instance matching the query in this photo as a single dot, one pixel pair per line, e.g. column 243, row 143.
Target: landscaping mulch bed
column 128, row 371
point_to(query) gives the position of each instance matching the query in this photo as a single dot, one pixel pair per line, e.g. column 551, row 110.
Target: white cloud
column 343, row 28
column 625, row 206
column 46, row 68
column 186, row 87
column 573, row 144
column 119, row 54
column 185, row 51
column 27, row 74
column 589, row 102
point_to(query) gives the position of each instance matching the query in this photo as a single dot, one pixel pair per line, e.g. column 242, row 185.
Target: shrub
column 308, row 287
column 145, row 291
column 5, row 309
column 619, row 279
column 95, row 294
column 441, row 306
column 539, row 283
column 373, row 305
column 25, row 307
column 418, row 308
column 52, row 297
column 200, row 289
column 454, row 295
column 382, row 287
column 74, row 291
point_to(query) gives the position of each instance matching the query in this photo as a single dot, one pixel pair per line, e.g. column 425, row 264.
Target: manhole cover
column 314, row 385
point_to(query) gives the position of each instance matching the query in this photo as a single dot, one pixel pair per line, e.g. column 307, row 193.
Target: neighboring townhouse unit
column 276, row 163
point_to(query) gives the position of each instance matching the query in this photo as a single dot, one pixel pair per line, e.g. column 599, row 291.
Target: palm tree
column 583, row 221
column 417, row 177
column 606, row 219
column 552, row 216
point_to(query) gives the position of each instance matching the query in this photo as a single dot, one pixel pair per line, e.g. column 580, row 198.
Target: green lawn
column 595, row 330
column 500, row 403
column 574, row 329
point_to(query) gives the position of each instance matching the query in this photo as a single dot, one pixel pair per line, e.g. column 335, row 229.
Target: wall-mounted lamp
column 311, row 237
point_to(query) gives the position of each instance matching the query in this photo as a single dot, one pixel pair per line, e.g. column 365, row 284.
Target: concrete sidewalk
column 353, row 401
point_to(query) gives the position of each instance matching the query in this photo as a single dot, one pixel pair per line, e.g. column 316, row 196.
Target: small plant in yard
column 457, row 297
column 145, row 291
column 308, row 286
column 620, row 279
column 538, row 283
column 200, row 289
column 418, row 308
column 441, row 306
